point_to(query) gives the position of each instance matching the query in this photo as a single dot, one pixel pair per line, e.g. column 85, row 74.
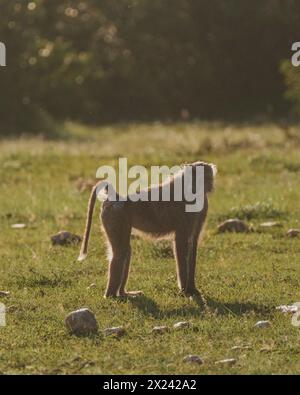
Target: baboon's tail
column 85, row 241
column 98, row 188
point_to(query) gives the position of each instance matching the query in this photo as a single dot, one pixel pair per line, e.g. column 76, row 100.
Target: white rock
column 288, row 309
column 160, row 329
column 271, row 224
column 233, row 225
column 246, row 347
column 182, row 325
column 293, row 233
column 81, row 322
column 115, row 330
column 262, row 324
column 18, row 226
column 193, row 359
column 228, row 361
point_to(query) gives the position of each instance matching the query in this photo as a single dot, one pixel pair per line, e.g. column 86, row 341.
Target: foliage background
column 119, row 60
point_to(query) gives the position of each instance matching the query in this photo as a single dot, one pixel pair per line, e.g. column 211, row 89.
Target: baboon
column 158, row 219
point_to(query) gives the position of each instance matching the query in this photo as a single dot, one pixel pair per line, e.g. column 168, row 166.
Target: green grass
column 243, row 276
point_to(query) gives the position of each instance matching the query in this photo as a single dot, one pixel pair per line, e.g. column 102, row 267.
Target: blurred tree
column 140, row 59
column 292, row 80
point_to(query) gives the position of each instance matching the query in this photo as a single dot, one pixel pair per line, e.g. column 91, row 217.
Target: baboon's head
column 210, row 171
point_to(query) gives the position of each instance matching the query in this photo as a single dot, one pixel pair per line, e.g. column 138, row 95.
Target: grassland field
column 243, row 276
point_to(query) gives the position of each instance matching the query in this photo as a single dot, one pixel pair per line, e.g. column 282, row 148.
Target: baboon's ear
column 207, row 166
column 210, row 171
column 214, row 169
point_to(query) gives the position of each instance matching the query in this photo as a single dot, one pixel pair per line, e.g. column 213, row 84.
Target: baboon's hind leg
column 116, row 267
column 118, row 236
column 123, row 291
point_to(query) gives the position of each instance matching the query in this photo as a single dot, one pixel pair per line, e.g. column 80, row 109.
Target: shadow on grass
column 238, row 308
column 149, row 307
column 146, row 305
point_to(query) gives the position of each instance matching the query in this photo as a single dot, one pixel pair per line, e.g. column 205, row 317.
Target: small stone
column 267, row 348
column 228, row 361
column 160, row 329
column 18, row 226
column 292, row 233
column 262, row 324
column 271, row 224
column 81, row 322
column 182, row 325
column 117, row 331
column 93, row 285
column 193, row 359
column 4, row 293
column 288, row 309
column 246, row 347
column 233, row 225
column 65, row 238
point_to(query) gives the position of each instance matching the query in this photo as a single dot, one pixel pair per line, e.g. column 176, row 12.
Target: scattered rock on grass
column 4, row 293
column 93, row 285
column 18, row 226
column 160, row 329
column 65, row 238
column 245, row 347
column 293, row 233
column 182, row 325
column 193, row 359
column 228, row 361
column 81, row 322
column 271, row 224
column 288, row 309
column 117, row 331
column 267, row 348
column 233, row 225
column 262, row 324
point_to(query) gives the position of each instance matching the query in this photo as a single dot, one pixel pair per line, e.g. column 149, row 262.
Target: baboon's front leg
column 190, row 288
column 181, row 255
column 186, row 252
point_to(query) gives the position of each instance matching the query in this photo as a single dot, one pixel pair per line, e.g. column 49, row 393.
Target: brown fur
column 157, row 218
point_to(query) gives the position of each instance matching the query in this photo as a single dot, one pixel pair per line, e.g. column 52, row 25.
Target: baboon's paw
column 199, row 299
column 195, row 295
column 81, row 257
